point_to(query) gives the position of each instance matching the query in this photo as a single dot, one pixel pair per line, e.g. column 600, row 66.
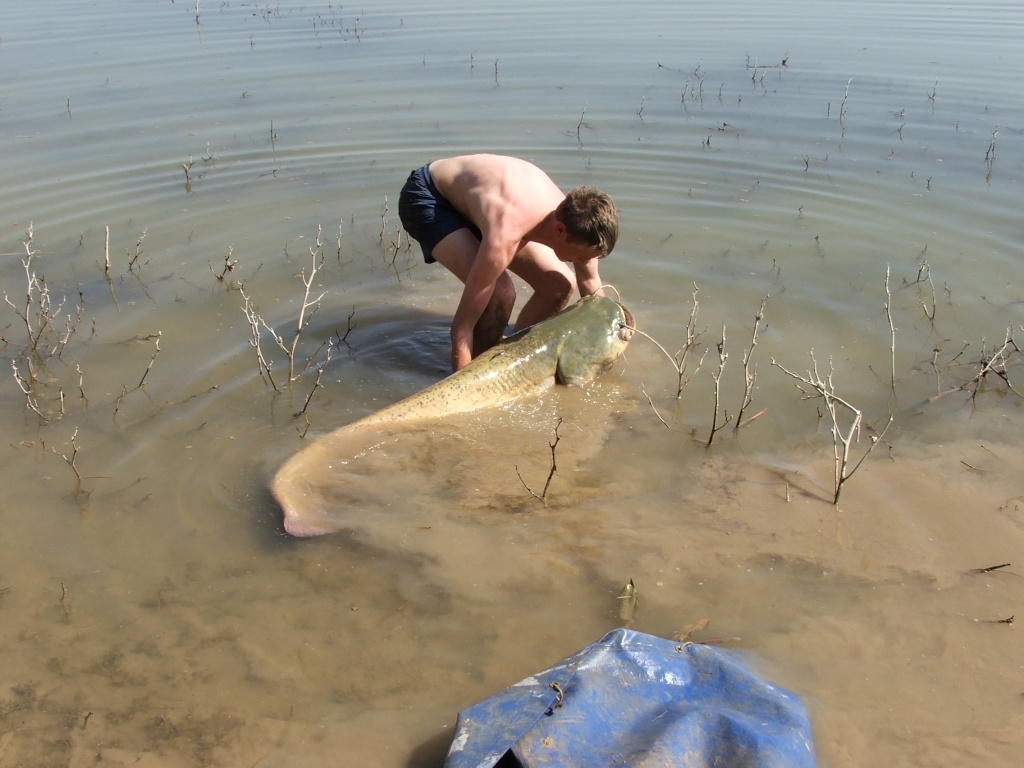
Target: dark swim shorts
column 426, row 215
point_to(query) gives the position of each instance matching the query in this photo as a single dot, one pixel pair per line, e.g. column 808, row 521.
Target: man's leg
column 456, row 253
column 553, row 283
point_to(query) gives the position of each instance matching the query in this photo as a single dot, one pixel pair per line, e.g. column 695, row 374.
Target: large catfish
column 573, row 347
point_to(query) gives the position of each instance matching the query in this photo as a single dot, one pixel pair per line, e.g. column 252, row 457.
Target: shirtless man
column 480, row 215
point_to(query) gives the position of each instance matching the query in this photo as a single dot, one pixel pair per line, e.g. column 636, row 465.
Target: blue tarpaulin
column 632, row 699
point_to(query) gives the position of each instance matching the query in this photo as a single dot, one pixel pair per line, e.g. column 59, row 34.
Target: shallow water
column 153, row 612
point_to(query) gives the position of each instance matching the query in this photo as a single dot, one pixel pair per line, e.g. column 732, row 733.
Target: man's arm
column 587, row 278
column 491, row 260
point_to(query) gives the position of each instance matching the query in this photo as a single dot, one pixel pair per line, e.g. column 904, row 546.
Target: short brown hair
column 590, row 217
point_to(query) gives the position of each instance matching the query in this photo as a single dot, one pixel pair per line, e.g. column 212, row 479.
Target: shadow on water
column 432, row 752
column 388, row 355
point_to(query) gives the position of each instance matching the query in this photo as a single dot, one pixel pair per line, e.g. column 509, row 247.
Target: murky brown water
column 152, row 611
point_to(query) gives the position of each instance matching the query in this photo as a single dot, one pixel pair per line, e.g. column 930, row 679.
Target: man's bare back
column 504, row 196
column 480, row 215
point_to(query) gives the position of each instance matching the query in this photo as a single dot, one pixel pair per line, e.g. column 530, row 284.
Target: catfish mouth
column 625, row 331
column 628, row 314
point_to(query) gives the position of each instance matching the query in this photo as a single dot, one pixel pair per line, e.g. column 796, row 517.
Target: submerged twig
column 723, row 356
column 307, row 310
column 579, row 125
column 316, row 384
column 229, row 266
column 543, row 496
column 842, row 107
column 842, row 438
column 990, row 568
column 750, row 375
column 681, row 358
column 892, row 333
column 256, row 322
column 996, row 363
column 152, row 360
column 70, row 460
column 629, row 602
column 65, row 602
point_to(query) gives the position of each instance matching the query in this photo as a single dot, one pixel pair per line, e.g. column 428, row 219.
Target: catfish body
column 574, row 347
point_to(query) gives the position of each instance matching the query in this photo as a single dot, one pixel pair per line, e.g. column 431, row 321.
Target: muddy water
column 152, row 611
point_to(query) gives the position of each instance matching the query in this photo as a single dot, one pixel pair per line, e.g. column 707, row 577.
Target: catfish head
column 594, row 335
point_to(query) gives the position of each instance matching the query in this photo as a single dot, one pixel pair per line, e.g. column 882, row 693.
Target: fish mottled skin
column 574, row 347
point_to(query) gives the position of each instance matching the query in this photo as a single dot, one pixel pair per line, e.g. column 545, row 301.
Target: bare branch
column 692, row 335
column 843, row 436
column 543, row 496
column 151, row 361
column 316, row 386
column 255, row 324
column 316, row 254
column 70, row 460
column 749, row 375
column 723, row 356
column 656, row 412
column 892, row 333
column 995, row 363
column 31, row 401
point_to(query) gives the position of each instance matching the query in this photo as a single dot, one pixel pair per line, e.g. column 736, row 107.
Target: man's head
column 590, row 219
